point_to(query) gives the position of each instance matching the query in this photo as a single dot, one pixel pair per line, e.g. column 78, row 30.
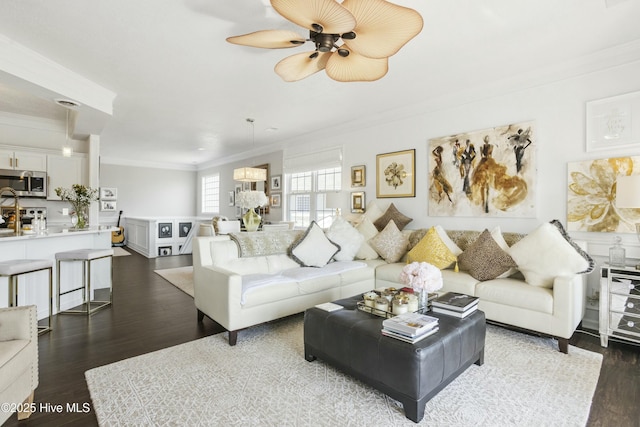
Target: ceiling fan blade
column 268, row 39
column 356, row 67
column 299, row 66
column 383, row 27
column 333, row 18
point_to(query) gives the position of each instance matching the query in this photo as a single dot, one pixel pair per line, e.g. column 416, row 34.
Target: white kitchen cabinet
column 64, row 172
column 23, row 160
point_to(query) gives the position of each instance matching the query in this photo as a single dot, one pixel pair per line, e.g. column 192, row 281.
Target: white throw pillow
column 314, row 249
column 373, row 211
column 447, row 240
column 368, row 231
column 349, row 239
column 496, row 233
column 544, row 255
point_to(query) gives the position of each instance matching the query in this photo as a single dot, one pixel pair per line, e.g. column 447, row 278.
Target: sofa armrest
column 569, row 303
column 18, row 323
column 217, row 293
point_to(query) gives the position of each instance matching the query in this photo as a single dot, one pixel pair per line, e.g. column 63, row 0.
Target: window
column 211, row 193
column 307, row 195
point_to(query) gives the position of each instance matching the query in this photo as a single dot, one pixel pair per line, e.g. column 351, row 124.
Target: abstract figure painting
column 591, row 195
column 488, row 173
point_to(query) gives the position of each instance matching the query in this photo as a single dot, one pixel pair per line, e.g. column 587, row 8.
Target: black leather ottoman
column 350, row 340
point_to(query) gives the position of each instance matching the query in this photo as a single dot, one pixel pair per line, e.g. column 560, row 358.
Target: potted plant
column 80, row 197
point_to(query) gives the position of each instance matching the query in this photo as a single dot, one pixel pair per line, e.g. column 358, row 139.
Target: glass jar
column 400, row 305
column 370, row 299
column 617, row 254
column 382, row 304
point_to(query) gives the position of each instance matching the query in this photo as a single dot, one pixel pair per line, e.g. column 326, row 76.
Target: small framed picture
column 276, row 200
column 358, row 177
column 108, row 193
column 357, row 202
column 276, row 182
column 613, row 122
column 184, row 228
column 107, row 206
column 165, row 230
column 232, row 198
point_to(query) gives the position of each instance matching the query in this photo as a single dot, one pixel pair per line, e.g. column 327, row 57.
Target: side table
column 619, row 303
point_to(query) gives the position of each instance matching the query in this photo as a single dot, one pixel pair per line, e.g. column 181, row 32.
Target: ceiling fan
column 353, row 39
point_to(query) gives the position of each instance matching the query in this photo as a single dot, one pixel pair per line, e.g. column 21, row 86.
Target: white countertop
column 8, row 235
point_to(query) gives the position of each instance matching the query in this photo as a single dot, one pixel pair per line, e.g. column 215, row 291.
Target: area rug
column 181, row 278
column 118, row 251
column 265, row 381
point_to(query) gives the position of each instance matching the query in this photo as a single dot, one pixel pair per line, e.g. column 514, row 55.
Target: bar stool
column 17, row 267
column 87, row 257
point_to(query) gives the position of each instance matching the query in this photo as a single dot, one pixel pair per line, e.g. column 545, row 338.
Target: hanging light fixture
column 67, row 149
column 247, row 173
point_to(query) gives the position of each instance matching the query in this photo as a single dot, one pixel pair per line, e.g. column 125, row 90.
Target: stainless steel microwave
column 24, row 183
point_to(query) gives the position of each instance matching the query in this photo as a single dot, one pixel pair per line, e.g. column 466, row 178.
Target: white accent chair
column 18, row 360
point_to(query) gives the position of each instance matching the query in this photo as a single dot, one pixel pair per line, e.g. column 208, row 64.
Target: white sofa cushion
column 314, row 249
column 545, row 254
column 514, row 292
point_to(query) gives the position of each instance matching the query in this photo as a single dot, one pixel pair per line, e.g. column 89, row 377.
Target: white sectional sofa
column 250, row 278
column 245, row 279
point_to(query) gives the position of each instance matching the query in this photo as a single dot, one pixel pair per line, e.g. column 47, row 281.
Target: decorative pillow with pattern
column 390, row 243
column 545, row 254
column 432, row 249
column 314, row 249
column 394, row 214
column 496, row 233
column 368, row 231
column 484, row 259
column 349, row 239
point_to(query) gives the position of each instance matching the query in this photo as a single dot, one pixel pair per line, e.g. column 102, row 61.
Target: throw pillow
column 496, row 233
column 578, row 249
column 484, row 259
column 392, row 214
column 368, row 231
column 433, row 250
column 390, row 243
column 373, row 211
column 314, row 249
column 347, row 237
column 545, row 254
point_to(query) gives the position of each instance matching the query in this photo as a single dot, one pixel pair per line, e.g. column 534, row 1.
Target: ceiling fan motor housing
column 324, row 42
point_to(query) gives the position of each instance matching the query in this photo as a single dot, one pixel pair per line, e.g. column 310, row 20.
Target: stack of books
column 455, row 304
column 410, row 327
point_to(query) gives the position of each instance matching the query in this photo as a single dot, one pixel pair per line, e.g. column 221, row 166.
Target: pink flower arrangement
column 422, row 276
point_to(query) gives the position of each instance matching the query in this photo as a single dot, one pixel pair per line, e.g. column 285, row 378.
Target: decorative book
column 406, row 338
column 410, row 324
column 455, row 301
column 460, row 314
column 329, row 306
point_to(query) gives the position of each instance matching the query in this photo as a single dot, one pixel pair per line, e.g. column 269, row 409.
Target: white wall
column 149, row 192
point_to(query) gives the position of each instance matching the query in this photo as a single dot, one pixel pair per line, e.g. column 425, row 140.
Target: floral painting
column 491, row 172
column 592, row 193
column 395, row 175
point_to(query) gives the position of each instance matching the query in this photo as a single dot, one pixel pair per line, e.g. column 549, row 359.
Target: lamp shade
column 249, row 174
column 628, row 191
column 334, row 199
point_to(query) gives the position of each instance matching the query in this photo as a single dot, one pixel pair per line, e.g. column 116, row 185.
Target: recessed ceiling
column 183, row 92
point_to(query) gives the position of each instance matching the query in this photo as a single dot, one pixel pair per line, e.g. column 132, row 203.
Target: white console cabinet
column 154, row 237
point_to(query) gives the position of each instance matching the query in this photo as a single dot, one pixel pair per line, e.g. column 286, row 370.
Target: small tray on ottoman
column 387, row 314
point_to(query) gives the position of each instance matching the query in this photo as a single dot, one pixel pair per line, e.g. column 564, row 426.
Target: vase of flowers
column 423, row 278
column 80, row 197
column 250, row 200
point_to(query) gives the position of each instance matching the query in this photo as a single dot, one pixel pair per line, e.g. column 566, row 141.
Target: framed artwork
column 108, row 193
column 591, row 195
column 485, row 173
column 184, row 228
column 107, row 206
column 613, row 122
column 276, row 200
column 232, row 198
column 165, row 230
column 357, row 202
column 276, row 182
column 395, row 174
column 358, row 176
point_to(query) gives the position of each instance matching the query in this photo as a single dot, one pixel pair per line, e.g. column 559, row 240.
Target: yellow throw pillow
column 432, row 249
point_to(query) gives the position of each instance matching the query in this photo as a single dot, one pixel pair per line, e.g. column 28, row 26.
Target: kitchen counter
column 9, row 234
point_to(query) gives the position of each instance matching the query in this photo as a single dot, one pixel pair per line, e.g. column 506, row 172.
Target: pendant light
column 67, row 149
column 247, row 173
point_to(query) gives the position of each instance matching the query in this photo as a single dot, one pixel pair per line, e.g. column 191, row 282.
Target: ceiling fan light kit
column 353, row 39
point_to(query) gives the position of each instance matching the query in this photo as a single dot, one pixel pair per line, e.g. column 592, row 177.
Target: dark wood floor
column 149, row 314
